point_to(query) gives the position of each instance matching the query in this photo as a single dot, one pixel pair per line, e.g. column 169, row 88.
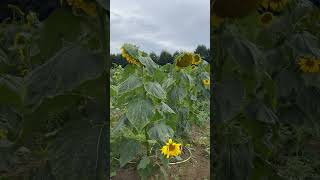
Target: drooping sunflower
column 266, row 18
column 130, row 53
column 310, row 65
column 171, row 149
column 88, row 7
column 234, row 8
column 196, row 59
column 184, row 60
column 206, row 82
column 274, row 5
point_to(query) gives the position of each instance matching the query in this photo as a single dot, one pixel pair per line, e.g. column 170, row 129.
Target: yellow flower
column 206, row 82
column 275, row 5
column 171, row 149
column 266, row 18
column 233, row 8
column 184, row 60
column 196, row 59
column 129, row 58
column 88, row 7
column 309, row 65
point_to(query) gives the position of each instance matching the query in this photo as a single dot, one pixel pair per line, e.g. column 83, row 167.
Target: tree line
column 164, row 57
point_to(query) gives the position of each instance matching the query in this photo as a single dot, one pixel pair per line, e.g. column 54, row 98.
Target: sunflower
column 88, row 7
column 171, row 149
column 196, row 59
column 275, row 5
column 266, row 18
column 206, row 82
column 309, row 65
column 234, row 8
column 127, row 55
column 184, row 60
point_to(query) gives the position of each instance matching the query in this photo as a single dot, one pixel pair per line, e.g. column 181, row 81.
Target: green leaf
column 230, row 97
column 155, row 90
column 144, row 162
column 168, row 82
column 11, row 89
column 77, row 151
column 128, row 151
column 259, row 111
column 165, row 108
column 139, row 113
column 149, row 64
column 54, row 32
column 160, row 131
column 178, row 94
column 64, row 72
column 129, row 84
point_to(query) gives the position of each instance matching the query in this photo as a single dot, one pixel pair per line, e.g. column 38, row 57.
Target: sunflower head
column 196, row 59
column 274, row 5
column 130, row 53
column 311, row 65
column 234, row 8
column 206, row 82
column 266, row 18
column 171, row 149
column 184, row 60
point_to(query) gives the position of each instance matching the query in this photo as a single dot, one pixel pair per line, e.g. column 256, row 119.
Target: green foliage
column 261, row 93
column 151, row 102
column 52, row 81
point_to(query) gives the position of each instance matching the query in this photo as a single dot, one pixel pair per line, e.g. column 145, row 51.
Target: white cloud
column 160, row 25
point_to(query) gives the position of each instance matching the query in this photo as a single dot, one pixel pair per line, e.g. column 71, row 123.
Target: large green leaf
column 155, row 90
column 128, row 151
column 178, row 94
column 54, row 31
column 139, row 113
column 230, row 97
column 160, row 131
column 12, row 90
column 64, row 72
column 76, row 152
column 245, row 53
column 287, row 82
column 165, row 108
column 259, row 111
column 149, row 64
column 129, row 84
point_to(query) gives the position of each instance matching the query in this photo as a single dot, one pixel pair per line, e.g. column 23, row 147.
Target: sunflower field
column 266, row 89
column 153, row 108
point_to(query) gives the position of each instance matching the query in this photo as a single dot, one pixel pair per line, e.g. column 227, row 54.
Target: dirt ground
column 197, row 168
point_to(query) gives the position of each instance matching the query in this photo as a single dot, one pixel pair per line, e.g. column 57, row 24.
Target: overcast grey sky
column 156, row 25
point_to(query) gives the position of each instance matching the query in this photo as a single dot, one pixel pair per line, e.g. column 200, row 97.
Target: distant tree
column 118, row 59
column 204, row 52
column 175, row 54
column 165, row 58
column 154, row 57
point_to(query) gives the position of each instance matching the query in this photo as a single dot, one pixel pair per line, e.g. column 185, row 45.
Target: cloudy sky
column 156, row 25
